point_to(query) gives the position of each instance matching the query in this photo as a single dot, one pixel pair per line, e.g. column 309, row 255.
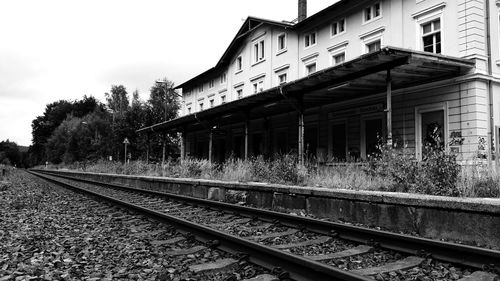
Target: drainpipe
column 490, row 87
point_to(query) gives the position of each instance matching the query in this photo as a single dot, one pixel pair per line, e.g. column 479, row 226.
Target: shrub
column 487, row 187
column 442, row 170
column 236, row 170
column 260, row 169
column 284, row 169
column 436, row 174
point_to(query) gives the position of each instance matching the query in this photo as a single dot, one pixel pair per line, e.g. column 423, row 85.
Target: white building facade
column 332, row 85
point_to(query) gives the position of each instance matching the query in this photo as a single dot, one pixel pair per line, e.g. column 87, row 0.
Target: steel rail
column 445, row 251
column 299, row 268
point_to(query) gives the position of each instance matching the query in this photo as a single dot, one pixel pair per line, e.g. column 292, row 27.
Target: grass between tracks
column 393, row 170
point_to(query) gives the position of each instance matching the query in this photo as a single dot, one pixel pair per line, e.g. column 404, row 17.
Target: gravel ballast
column 50, row 233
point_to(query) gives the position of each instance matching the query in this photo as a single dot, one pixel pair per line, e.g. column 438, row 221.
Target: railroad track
column 296, row 247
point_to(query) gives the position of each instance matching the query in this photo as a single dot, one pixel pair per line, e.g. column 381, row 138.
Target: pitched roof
column 250, row 24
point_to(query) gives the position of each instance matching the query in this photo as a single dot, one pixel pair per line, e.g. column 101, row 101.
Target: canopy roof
column 362, row 76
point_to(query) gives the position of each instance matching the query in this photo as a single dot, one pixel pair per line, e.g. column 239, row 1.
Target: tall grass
column 392, row 171
column 478, row 180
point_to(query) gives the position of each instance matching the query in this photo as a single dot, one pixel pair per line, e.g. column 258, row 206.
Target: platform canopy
column 363, row 76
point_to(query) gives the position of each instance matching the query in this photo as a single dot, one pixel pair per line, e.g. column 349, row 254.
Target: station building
column 331, row 85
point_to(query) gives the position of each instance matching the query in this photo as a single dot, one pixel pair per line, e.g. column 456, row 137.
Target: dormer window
column 310, row 39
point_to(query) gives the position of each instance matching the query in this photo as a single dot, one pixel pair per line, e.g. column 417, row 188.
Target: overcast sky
column 52, row 50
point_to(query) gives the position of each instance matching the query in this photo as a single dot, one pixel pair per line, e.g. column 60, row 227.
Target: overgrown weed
column 395, row 170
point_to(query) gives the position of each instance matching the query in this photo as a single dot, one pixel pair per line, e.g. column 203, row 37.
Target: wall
column 469, row 220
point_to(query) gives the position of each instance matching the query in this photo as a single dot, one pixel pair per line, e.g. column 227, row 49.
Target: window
column 211, row 103
column 239, row 64
column 189, row 110
column 200, row 88
column 431, row 128
column 431, row 36
column 311, row 68
column 239, row 93
column 372, row 12
column 281, row 42
column 282, row 78
column 201, row 106
column 310, row 39
column 373, row 46
column 338, row 53
column 211, row 83
column 258, row 86
column 338, row 27
column 223, row 78
column 258, row 51
column 338, row 58
column 223, row 99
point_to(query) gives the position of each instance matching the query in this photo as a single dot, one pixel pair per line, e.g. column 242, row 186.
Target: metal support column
column 183, row 145
column 210, row 145
column 300, row 112
column 164, row 149
column 389, row 107
column 247, row 125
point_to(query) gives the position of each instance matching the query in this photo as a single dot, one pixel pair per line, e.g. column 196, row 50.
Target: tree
column 9, row 153
column 162, row 105
column 117, row 101
column 43, row 127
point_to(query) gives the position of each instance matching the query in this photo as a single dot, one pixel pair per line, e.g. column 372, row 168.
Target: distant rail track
column 292, row 246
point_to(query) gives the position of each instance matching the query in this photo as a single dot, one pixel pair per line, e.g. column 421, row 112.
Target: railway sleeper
column 273, row 235
column 263, row 277
column 406, row 263
column 190, row 251
column 359, row 250
column 481, row 276
column 320, row 240
column 216, row 266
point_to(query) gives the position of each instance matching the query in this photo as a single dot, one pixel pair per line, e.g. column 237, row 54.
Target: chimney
column 302, row 10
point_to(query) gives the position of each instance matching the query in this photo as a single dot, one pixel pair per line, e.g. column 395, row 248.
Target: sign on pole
column 125, row 141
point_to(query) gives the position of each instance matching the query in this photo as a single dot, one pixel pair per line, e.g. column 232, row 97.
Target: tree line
column 87, row 129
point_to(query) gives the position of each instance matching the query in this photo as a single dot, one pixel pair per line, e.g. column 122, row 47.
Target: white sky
column 52, row 50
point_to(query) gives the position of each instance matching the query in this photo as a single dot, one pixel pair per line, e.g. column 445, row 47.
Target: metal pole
column 210, row 146
column 165, row 90
column 163, row 153
column 389, row 107
column 125, row 154
column 247, row 124
column 183, row 145
column 147, row 149
column 301, row 131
